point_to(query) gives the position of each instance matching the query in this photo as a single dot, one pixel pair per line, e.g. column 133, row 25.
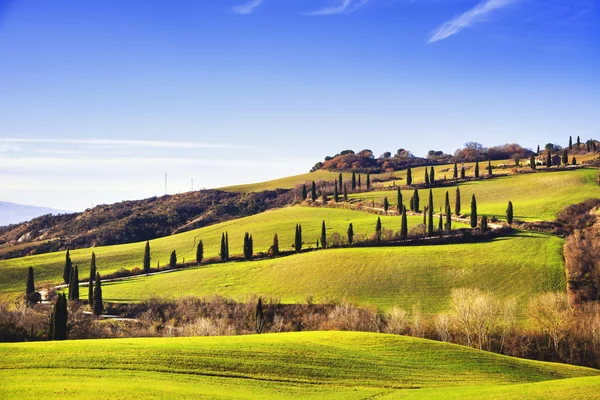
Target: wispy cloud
column 343, row 7
column 467, row 19
column 247, row 8
column 122, row 143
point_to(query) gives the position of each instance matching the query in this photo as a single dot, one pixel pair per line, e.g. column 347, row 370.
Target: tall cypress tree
column 353, row 181
column 336, row 196
column 462, row 173
column 98, row 302
column 509, row 213
column 359, row 183
column 340, row 182
column 457, row 203
column 313, row 191
column 304, row 193
column 532, row 161
column 430, row 211
column 345, row 194
column 226, row 245
column 425, row 216
column 91, row 280
column 173, row 259
column 484, row 223
column 260, row 317
column 30, row 287
column 447, row 201
column 223, row 252
column 68, row 267
column 58, row 319
column 538, row 150
column 323, row 235
column 565, row 157
column 146, row 257
column 570, row 143
column 490, row 172
column 248, row 247
column 350, row 233
column 378, row 230
column 448, row 219
column 432, row 176
column 399, row 200
column 275, row 245
column 441, row 225
column 549, row 160
column 426, row 178
column 74, row 284
column 409, row 176
column 298, row 238
column 588, row 145
column 473, row 212
column 200, row 251
column 386, row 204
column 404, row 225
column 578, row 142
column 455, row 176
column 368, row 181
column 416, row 200
column 476, row 169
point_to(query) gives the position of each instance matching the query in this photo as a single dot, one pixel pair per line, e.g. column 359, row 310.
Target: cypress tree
column 345, row 194
column 448, row 219
column 455, row 176
column 462, row 173
column 58, row 319
column 447, row 202
column 74, row 284
column 426, row 178
column 386, row 204
column 430, row 211
column 432, row 176
column 476, row 169
column 490, row 172
column 594, row 146
column 565, row 157
column 248, row 247
column 304, row 193
column 484, row 222
column 404, row 225
column 509, row 213
column 223, row 252
column 98, row 303
column 416, row 201
column 574, row 161
column 260, row 317
column 538, row 150
column 350, row 234
column 173, row 259
column 147, row 257
column 409, row 176
column 91, row 280
column 399, row 200
column 570, row 143
column 340, row 182
column 532, row 161
column 368, row 181
column 473, row 212
column 457, row 203
column 353, row 181
column 578, row 142
column 412, row 204
column 378, row 230
column 359, row 184
column 336, row 196
column 226, row 245
column 549, row 160
column 323, row 235
column 68, row 267
column 313, row 191
column 588, row 146
column 275, row 245
column 441, row 225
column 425, row 216
column 298, row 238
column 30, row 287
column 200, row 251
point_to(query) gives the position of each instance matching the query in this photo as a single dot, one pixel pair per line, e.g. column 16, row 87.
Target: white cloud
column 123, row 143
column 343, row 7
column 468, row 18
column 247, row 8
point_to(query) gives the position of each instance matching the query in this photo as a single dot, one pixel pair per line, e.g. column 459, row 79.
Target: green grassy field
column 519, row 266
column 535, row 196
column 302, row 365
column 48, row 267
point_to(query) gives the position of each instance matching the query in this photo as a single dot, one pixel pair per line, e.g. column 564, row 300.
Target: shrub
column 398, row 321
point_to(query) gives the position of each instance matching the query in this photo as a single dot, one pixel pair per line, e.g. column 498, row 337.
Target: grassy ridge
column 48, row 267
column 307, row 364
column 535, row 196
column 519, row 266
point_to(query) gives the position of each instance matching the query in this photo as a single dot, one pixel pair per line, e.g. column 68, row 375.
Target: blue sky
column 100, row 98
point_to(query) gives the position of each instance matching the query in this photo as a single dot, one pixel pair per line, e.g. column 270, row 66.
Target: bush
column 398, row 321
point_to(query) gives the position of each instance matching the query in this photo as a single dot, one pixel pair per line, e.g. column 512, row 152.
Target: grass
column 535, row 196
column 48, row 267
column 519, row 266
column 289, row 182
column 303, row 365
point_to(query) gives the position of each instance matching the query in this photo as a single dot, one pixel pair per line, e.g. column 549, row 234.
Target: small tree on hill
column 98, row 302
column 409, row 176
column 248, row 247
column 323, row 235
column 30, row 287
column 304, row 193
column 350, row 233
column 509, row 213
column 549, row 160
column 336, row 196
column 200, row 251
column 447, row 200
column 578, row 142
column 426, row 178
column 490, row 172
column 404, row 225
column 532, row 161
column 462, row 173
column 173, row 259
column 345, row 194
column 441, row 225
column 74, row 284
column 313, row 192
column 260, row 317
column 457, row 203
column 67, row 269
column 432, row 176
column 378, row 230
column 476, row 169
column 298, row 238
column 275, row 246
column 473, row 212
column 386, row 204
column 416, row 201
column 565, row 157
column 448, row 219
column 359, row 183
column 223, row 252
column 91, row 280
column 430, row 211
column 58, row 319
column 484, row 224
column 570, row 143
column 368, row 181
column 455, row 175
column 353, row 181
column 340, row 182
column 147, row 258
column 399, row 200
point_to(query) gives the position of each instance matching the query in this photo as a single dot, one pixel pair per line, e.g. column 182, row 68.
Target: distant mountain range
column 11, row 213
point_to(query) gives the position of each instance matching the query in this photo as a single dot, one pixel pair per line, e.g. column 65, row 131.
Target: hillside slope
column 304, row 365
